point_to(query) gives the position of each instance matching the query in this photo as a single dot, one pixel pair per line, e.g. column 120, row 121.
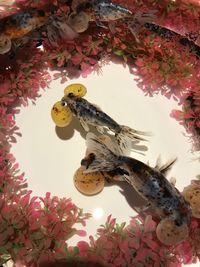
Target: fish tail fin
column 103, row 158
column 127, row 135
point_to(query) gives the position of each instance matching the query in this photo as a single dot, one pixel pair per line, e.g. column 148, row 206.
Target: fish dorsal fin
column 164, row 168
column 158, row 163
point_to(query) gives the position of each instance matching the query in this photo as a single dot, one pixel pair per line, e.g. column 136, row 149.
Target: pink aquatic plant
column 135, row 244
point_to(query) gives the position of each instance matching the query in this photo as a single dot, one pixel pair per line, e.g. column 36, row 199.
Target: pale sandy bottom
column 49, row 157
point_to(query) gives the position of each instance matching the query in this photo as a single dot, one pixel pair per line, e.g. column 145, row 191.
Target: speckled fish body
column 18, row 25
column 149, row 182
column 156, row 189
column 108, row 11
column 15, row 28
column 102, row 10
column 89, row 114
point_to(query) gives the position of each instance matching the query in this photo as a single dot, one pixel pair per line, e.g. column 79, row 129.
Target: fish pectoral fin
column 100, row 129
column 164, row 168
column 84, row 124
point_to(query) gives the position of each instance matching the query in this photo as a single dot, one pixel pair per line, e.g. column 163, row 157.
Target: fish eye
column 63, row 103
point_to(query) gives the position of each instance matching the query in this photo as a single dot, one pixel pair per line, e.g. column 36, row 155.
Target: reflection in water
column 97, row 213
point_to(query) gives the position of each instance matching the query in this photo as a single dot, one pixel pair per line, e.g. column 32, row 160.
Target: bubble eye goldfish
column 18, row 25
column 89, row 114
column 149, row 182
column 102, row 10
column 24, row 24
column 106, row 10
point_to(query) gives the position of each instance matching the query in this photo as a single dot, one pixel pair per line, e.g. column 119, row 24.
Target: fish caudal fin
column 127, row 135
column 103, row 158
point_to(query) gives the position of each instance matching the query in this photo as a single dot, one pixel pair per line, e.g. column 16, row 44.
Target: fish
column 149, row 20
column 18, row 29
column 89, row 114
column 149, row 182
column 107, row 11
column 100, row 11
column 104, row 10
column 18, row 25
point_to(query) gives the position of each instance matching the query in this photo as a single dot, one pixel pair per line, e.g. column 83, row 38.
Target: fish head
column 70, row 100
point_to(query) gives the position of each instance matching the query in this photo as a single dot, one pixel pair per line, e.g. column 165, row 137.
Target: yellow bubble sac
column 169, row 233
column 61, row 115
column 88, row 183
column 79, row 22
column 77, row 89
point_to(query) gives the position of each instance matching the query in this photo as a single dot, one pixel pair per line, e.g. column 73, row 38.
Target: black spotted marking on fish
column 136, row 166
column 163, row 195
column 90, row 113
column 21, row 19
